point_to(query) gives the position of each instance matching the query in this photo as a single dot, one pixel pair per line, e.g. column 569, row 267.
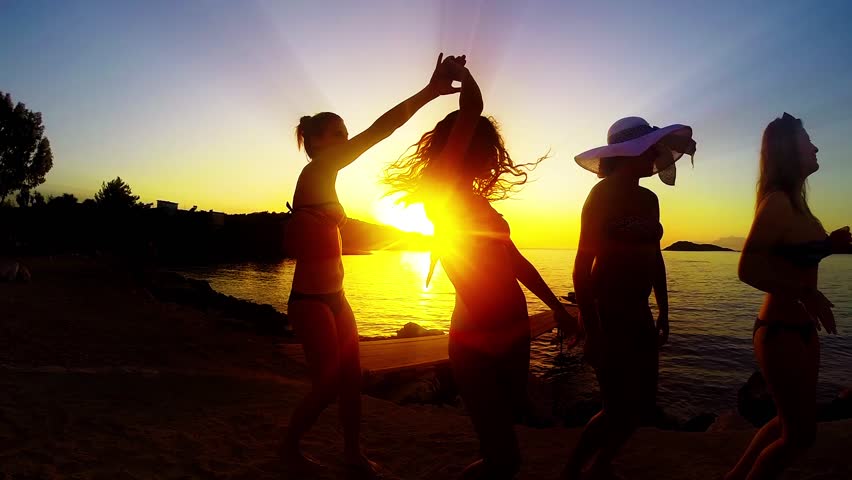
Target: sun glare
column 408, row 218
column 412, row 218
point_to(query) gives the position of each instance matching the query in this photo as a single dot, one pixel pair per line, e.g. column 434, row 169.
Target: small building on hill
column 167, row 205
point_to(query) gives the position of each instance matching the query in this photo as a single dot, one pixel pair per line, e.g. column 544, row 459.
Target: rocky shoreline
column 754, row 403
column 261, row 319
column 434, row 385
column 103, row 380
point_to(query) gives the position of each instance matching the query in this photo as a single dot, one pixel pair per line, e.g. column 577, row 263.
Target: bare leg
column 620, row 431
column 491, row 410
column 315, row 326
column 768, row 434
column 591, row 440
column 627, row 390
column 349, row 400
column 350, row 383
column 627, row 375
column 625, row 402
column 791, row 368
column 604, row 436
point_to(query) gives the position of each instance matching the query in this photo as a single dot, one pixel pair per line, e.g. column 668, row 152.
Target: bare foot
column 474, row 471
column 479, row 470
column 300, row 464
column 604, row 472
column 570, row 474
column 362, row 468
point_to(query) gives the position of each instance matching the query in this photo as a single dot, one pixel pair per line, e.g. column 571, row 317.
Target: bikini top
column 634, row 229
column 331, row 212
column 805, row 254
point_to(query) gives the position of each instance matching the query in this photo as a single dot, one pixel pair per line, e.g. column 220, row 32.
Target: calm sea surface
column 708, row 357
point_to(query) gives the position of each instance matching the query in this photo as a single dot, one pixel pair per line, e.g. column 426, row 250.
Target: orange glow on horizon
column 412, row 218
column 408, row 218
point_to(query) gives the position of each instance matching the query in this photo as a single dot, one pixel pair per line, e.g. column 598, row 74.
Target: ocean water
column 709, row 355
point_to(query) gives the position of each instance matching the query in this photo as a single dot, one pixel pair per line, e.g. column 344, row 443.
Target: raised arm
column 470, row 109
column 340, row 156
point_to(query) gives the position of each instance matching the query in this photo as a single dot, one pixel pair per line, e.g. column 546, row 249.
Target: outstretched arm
column 527, row 274
column 340, row 156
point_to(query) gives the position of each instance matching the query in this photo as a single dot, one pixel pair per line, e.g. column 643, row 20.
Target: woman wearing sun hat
column 618, row 263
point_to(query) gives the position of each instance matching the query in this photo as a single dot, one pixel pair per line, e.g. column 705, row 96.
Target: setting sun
column 408, row 218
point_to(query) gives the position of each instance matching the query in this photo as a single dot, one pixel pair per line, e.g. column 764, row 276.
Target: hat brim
column 677, row 139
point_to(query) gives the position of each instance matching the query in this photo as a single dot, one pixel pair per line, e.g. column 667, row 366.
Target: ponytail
column 301, row 129
column 310, row 127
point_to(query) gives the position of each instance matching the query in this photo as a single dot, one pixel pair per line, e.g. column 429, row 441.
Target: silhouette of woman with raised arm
column 317, row 308
column 457, row 169
column 781, row 257
column 617, row 265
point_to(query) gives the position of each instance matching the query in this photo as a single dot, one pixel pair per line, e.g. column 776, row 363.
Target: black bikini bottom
column 334, row 300
column 805, row 330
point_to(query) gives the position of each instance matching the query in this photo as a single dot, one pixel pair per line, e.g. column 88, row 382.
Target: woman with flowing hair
column 317, row 308
column 456, row 170
column 781, row 258
column 618, row 264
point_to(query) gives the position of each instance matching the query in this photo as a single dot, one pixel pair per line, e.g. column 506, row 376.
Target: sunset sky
column 195, row 101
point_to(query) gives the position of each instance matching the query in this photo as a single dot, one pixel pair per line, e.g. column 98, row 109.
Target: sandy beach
column 99, row 380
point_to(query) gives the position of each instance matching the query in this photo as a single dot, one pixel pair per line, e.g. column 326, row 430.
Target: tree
column 66, row 200
column 116, row 195
column 25, row 155
column 37, row 200
column 25, row 198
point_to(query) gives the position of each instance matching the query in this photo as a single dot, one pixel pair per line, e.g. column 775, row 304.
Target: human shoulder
column 647, row 193
column 776, row 204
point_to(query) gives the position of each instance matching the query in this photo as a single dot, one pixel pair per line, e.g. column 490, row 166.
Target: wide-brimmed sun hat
column 633, row 136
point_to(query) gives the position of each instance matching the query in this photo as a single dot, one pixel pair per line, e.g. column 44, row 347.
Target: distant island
column 733, row 242
column 695, row 247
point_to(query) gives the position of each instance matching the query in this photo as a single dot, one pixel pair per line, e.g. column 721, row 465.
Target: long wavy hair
column 486, row 153
column 781, row 165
